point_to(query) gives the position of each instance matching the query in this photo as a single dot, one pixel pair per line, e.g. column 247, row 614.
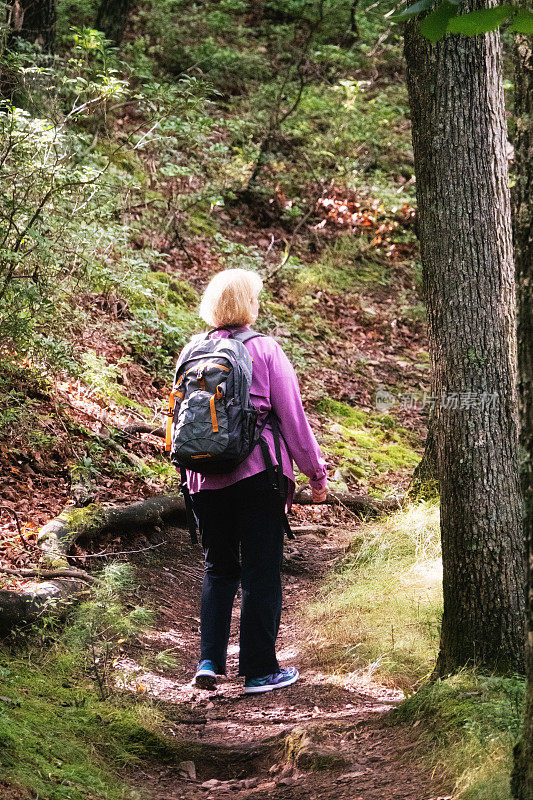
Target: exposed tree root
column 144, row 427
column 50, row 573
column 18, row 609
column 358, row 503
column 60, row 534
column 57, row 537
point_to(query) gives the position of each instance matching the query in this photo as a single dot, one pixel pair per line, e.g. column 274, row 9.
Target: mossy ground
column 58, row 740
column 471, row 723
column 342, row 267
column 368, row 443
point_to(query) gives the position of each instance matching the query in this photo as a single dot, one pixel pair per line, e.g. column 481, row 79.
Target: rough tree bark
column 35, row 20
column 522, row 782
column 112, row 18
column 459, row 139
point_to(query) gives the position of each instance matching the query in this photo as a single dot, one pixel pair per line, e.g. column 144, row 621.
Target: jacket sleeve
column 286, row 402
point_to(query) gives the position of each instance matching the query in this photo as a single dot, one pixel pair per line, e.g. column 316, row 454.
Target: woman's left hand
column 319, row 495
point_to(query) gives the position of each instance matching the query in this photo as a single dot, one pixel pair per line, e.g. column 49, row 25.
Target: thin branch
column 296, row 103
column 50, row 573
column 143, row 427
column 17, row 522
column 270, row 274
column 105, row 553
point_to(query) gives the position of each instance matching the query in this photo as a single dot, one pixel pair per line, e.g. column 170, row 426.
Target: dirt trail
column 326, row 736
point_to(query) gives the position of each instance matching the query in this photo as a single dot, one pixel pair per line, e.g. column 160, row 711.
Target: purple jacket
column 274, row 386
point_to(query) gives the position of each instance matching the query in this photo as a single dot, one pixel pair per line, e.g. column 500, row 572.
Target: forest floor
column 331, row 229
column 330, row 735
column 327, row 736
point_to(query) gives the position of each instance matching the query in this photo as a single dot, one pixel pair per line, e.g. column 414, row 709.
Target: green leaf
column 482, row 21
column 411, row 11
column 523, row 21
column 435, row 25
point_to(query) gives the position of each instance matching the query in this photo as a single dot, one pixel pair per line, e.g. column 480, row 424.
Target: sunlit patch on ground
column 135, row 678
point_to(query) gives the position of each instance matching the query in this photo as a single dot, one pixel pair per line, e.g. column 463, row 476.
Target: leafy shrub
column 41, row 189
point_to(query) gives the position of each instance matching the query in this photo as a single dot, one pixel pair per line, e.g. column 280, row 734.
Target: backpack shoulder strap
column 189, row 513
column 275, row 473
column 245, row 336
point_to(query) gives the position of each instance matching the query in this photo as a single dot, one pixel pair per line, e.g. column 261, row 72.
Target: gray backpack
column 212, row 424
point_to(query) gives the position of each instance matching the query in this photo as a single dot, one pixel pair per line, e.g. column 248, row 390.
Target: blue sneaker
column 284, row 677
column 206, row 675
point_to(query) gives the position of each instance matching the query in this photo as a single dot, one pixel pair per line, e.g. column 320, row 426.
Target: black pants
column 243, row 516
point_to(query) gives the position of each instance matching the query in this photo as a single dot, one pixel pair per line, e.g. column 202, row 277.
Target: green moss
column 293, row 743
column 201, row 223
column 474, row 359
column 164, row 318
column 126, row 402
column 342, row 267
column 169, row 288
column 124, row 160
column 77, row 519
column 182, row 292
column 415, row 313
column 53, row 540
column 471, row 724
column 57, row 740
column 368, row 443
column 335, row 408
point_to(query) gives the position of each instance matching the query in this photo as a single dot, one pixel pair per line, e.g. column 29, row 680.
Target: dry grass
column 381, row 610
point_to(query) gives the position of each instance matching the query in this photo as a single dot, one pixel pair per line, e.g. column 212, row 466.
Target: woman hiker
column 237, row 514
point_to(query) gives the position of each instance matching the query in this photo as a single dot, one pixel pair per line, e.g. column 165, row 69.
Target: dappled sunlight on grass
column 380, row 611
column 343, row 267
column 365, row 681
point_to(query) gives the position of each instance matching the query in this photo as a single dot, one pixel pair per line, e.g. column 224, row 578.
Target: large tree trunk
column 112, row 17
column 35, row 20
column 459, row 138
column 425, row 481
column 523, row 242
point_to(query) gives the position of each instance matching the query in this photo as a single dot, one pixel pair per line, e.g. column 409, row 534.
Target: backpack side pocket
column 201, row 428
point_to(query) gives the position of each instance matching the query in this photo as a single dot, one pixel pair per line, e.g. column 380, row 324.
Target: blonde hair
column 228, row 297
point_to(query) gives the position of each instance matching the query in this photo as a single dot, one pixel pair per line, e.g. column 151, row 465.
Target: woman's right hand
column 319, row 495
